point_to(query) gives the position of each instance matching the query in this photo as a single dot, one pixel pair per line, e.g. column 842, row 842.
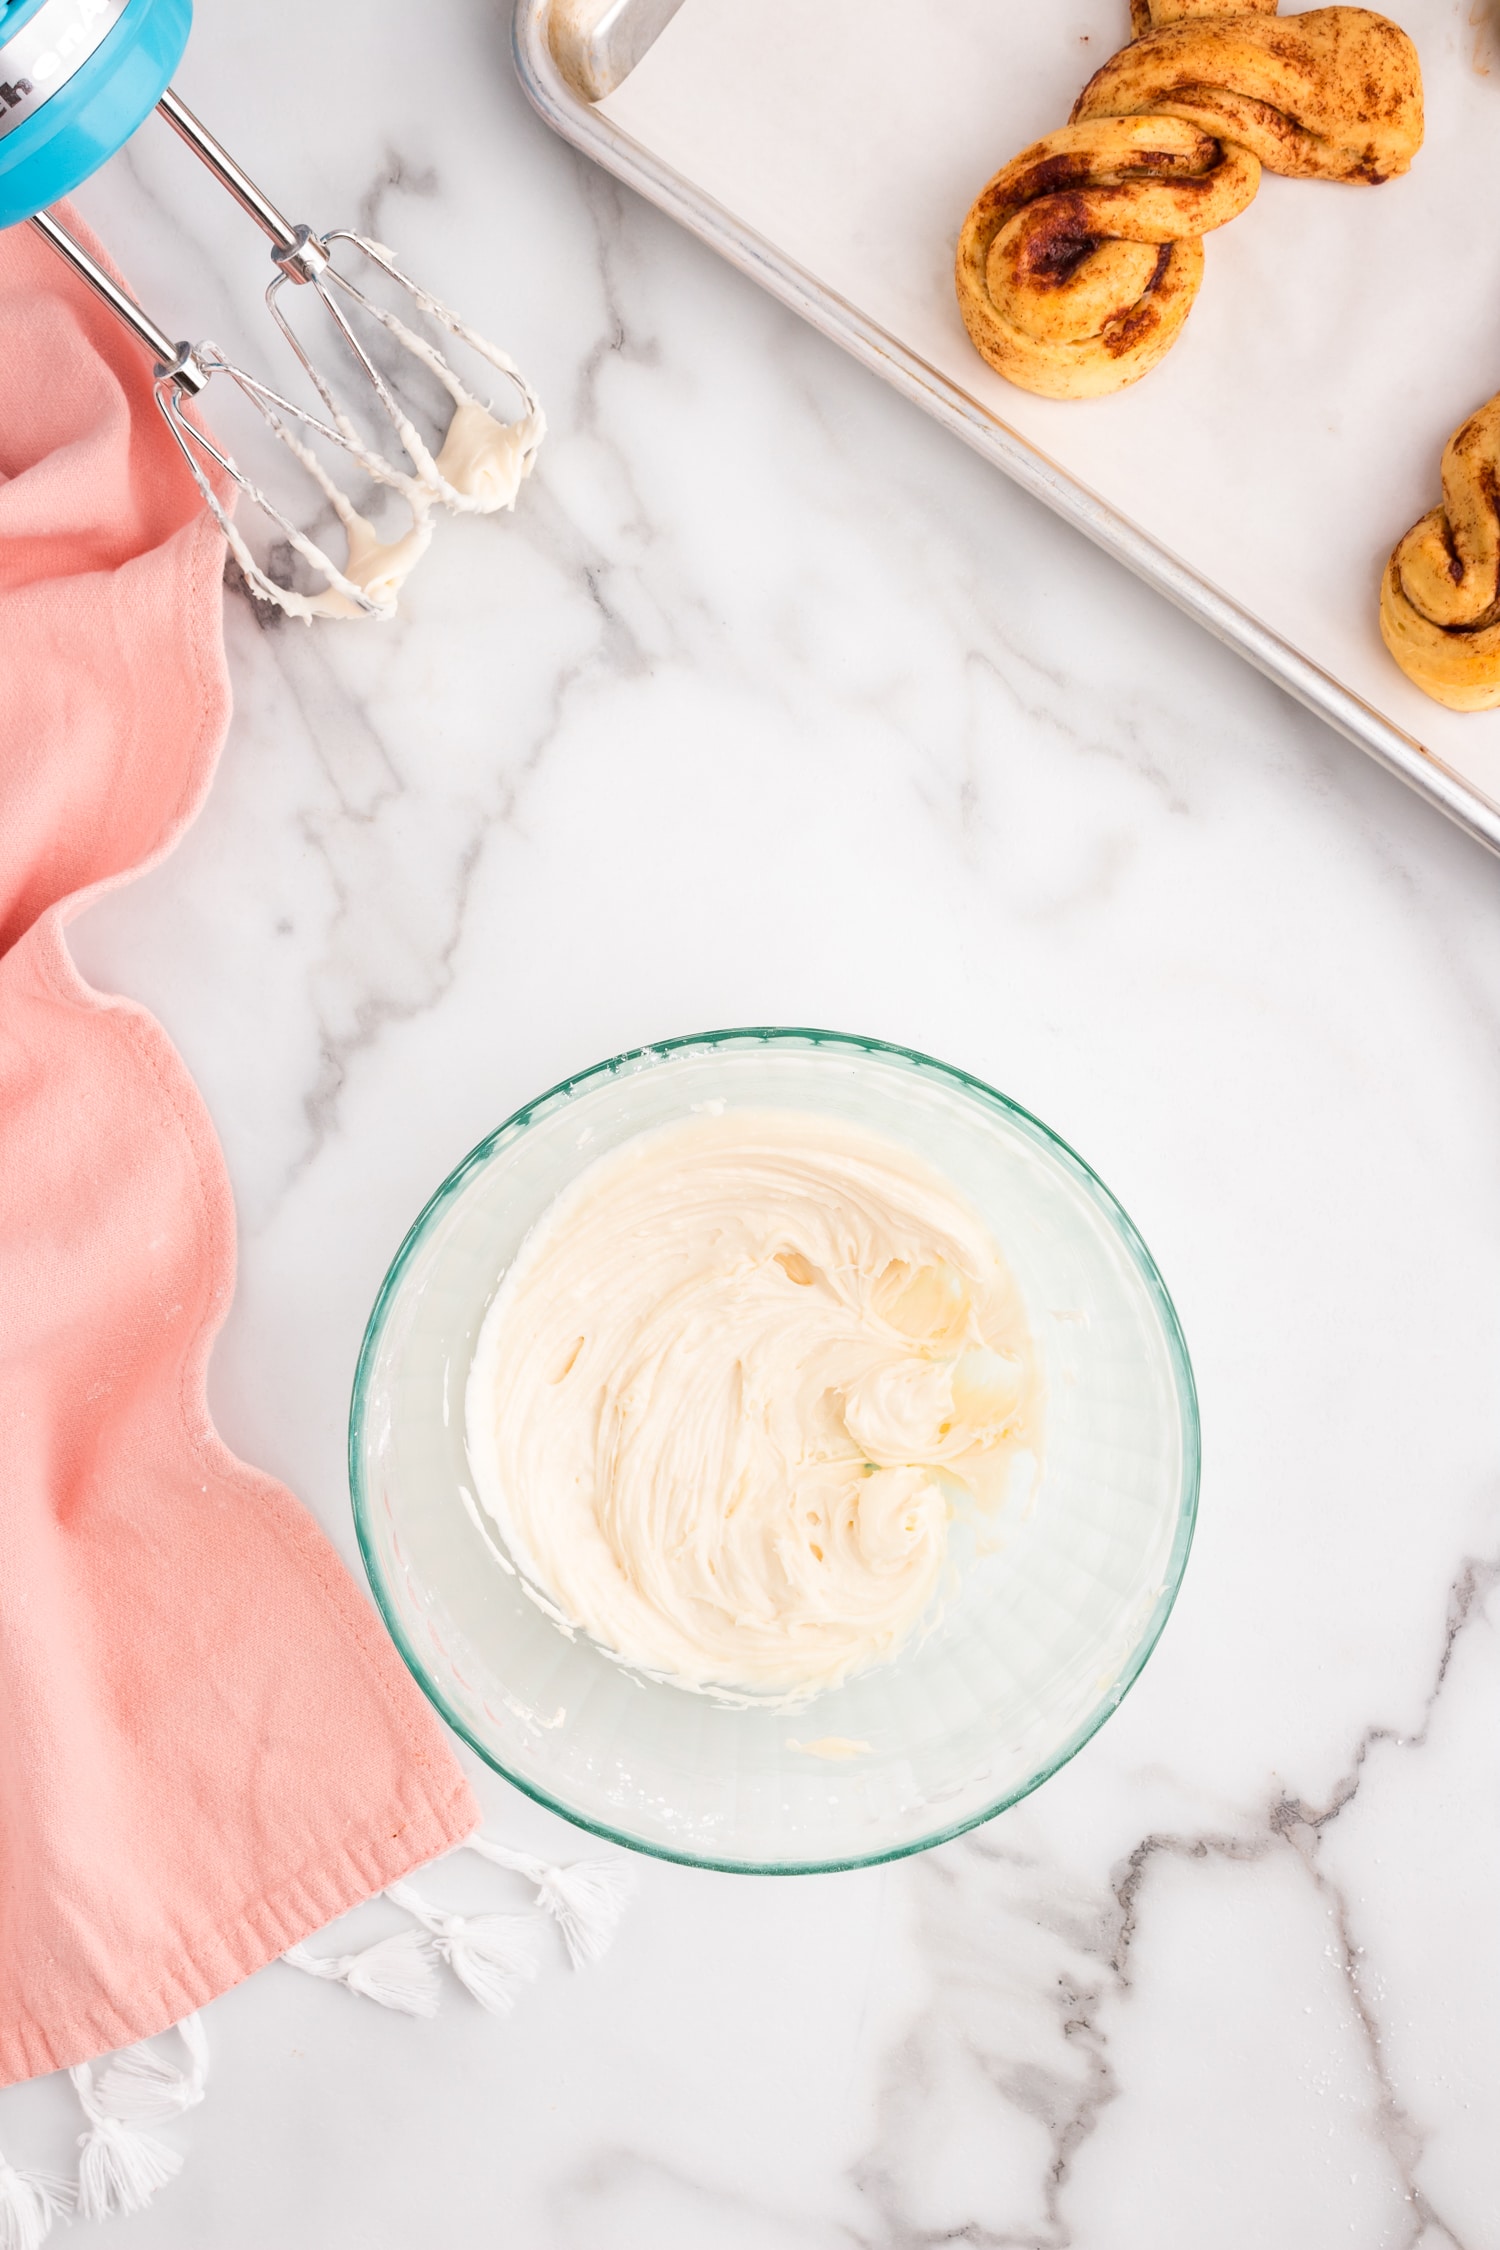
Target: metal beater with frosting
column 77, row 77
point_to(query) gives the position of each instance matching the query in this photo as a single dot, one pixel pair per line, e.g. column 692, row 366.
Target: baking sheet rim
column 577, row 121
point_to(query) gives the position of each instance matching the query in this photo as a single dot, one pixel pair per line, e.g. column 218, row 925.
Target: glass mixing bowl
column 1030, row 1654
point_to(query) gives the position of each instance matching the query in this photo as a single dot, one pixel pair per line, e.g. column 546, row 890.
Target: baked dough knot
column 1079, row 262
column 1440, row 598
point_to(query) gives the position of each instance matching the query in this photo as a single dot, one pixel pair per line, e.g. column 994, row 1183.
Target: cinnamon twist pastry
column 1440, row 599
column 1079, row 262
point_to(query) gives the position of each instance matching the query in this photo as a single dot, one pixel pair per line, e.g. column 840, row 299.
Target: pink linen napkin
column 208, row 1746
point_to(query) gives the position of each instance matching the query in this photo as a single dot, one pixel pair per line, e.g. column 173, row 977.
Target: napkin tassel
column 493, row 1954
column 585, row 1900
column 121, row 2167
column 29, row 2203
column 396, row 1971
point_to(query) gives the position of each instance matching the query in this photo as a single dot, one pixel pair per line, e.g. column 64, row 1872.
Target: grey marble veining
column 770, row 705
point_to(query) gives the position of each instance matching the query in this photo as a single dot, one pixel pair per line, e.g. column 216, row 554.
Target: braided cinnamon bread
column 1440, row 600
column 1079, row 262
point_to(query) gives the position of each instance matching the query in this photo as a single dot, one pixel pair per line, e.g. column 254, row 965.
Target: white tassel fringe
column 120, row 2168
column 396, row 1971
column 29, row 2203
column 585, row 1900
column 493, row 1954
column 142, row 2087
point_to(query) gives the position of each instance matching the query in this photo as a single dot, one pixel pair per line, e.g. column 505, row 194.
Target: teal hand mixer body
column 77, row 77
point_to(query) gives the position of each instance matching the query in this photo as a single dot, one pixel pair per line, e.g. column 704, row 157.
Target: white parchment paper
column 1342, row 333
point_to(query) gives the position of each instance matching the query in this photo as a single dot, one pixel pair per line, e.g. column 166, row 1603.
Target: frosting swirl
column 736, row 1386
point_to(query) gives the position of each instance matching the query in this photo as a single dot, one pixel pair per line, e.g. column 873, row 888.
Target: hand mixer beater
column 77, row 77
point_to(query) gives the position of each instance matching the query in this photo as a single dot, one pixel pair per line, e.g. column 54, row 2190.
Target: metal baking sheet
column 1260, row 476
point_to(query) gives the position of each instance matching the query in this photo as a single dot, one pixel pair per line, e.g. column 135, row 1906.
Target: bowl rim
column 986, row 1096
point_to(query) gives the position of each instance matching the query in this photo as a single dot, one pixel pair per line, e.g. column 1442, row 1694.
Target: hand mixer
column 77, row 77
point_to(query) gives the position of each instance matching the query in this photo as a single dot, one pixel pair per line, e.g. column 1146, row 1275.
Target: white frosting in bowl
column 736, row 1386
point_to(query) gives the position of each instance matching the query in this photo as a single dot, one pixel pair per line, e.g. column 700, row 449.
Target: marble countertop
column 772, row 705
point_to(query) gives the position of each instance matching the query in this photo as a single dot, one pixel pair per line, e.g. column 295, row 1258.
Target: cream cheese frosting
column 484, row 460
column 737, row 1385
